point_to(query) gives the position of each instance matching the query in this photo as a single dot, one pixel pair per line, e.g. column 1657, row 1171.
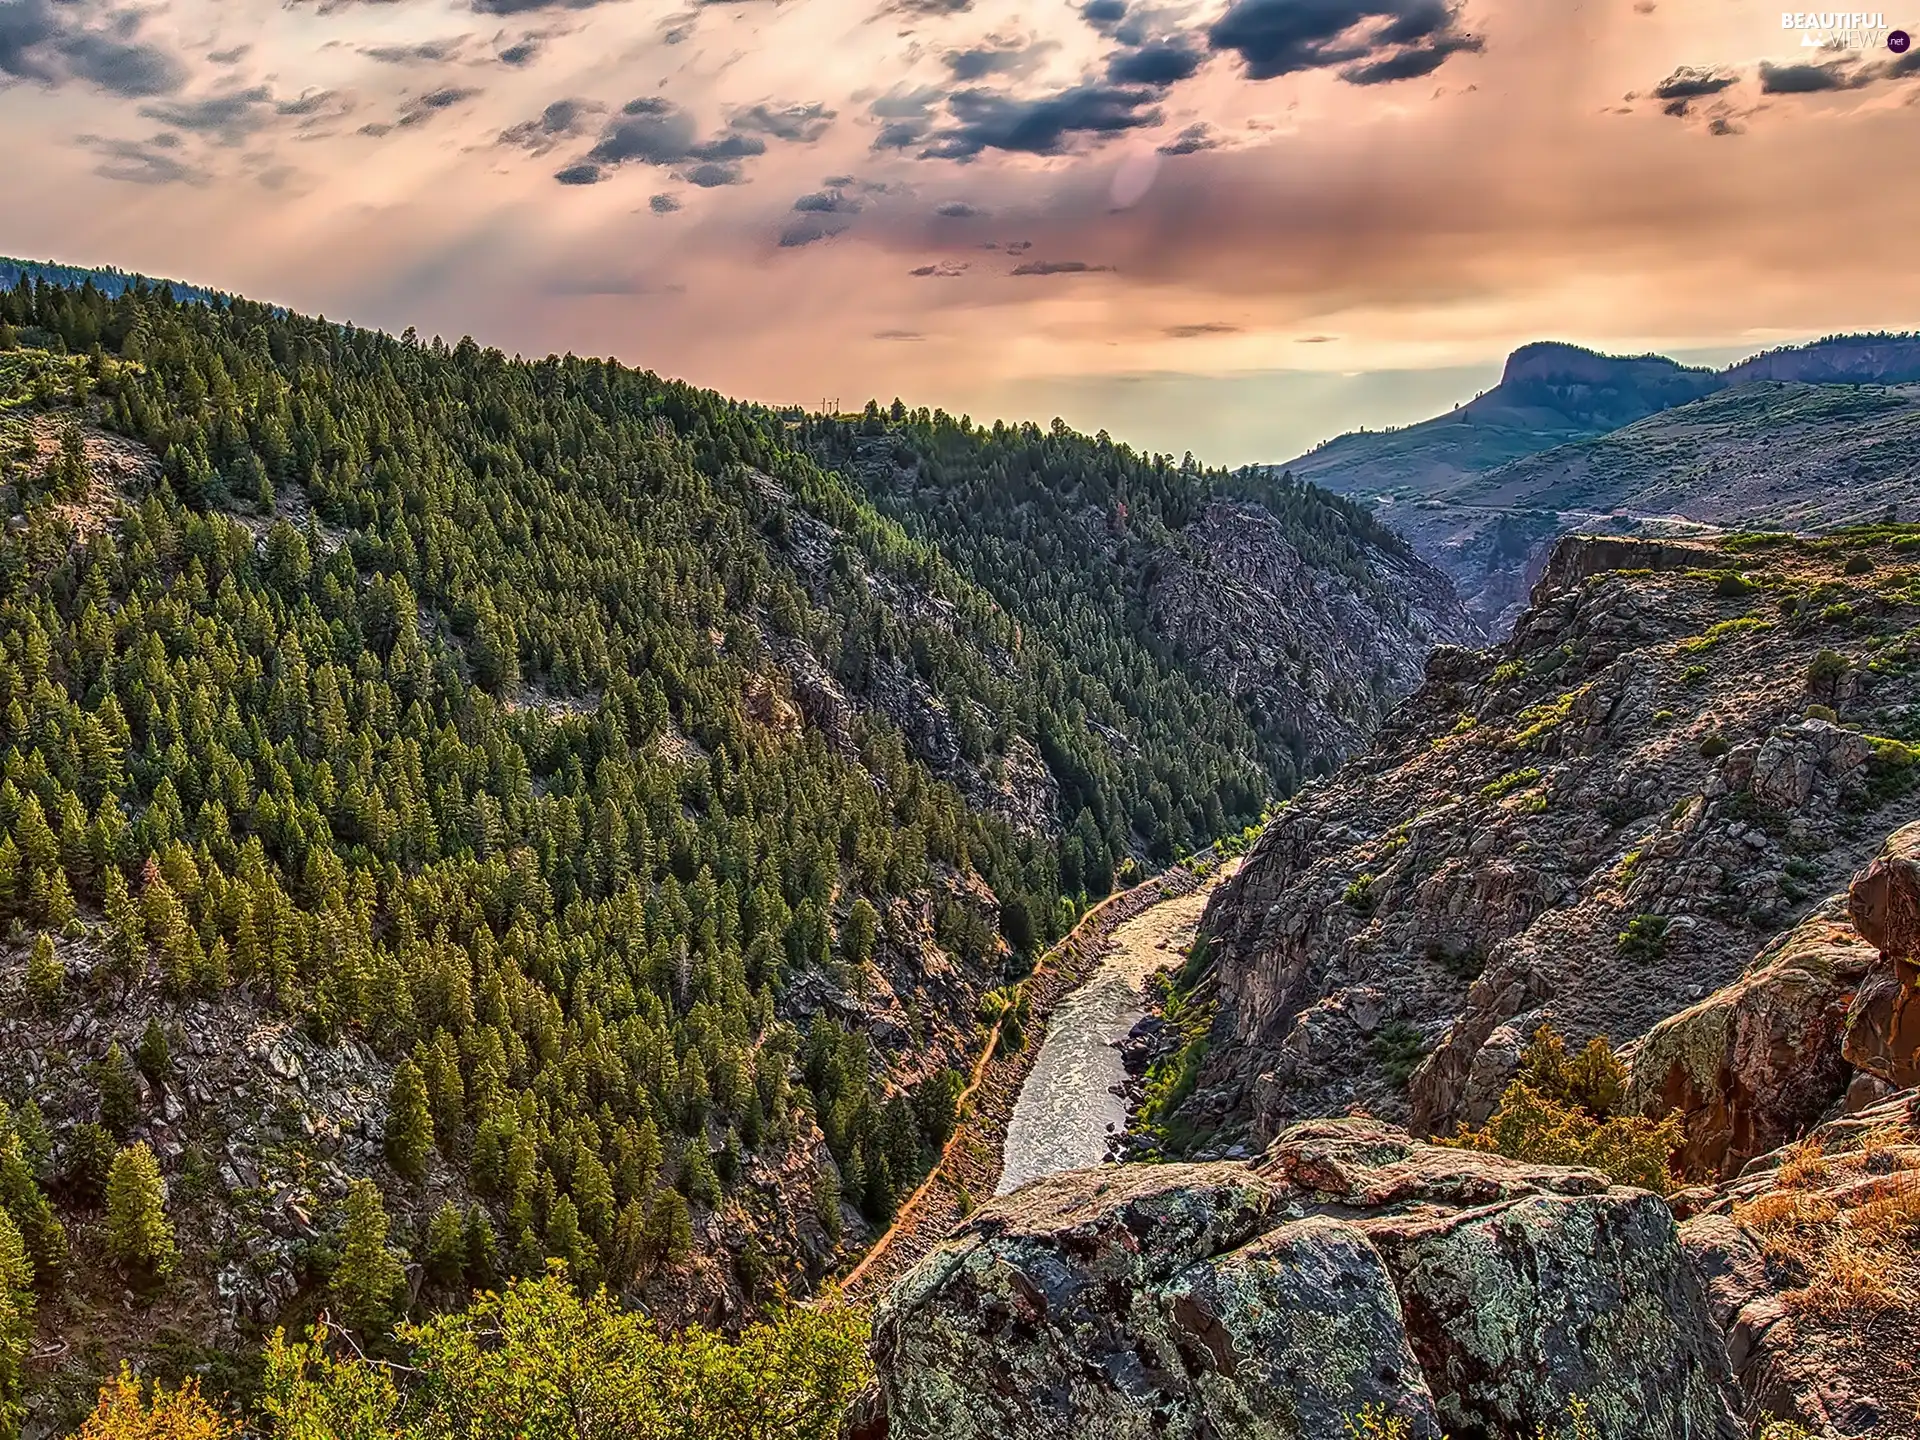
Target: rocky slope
column 1595, row 825
column 1571, row 440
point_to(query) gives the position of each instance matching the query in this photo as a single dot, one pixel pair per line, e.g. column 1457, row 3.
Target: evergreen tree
column 88, row 1162
column 669, row 1229
column 46, row 975
column 154, row 1055
column 409, row 1122
column 446, row 1256
column 367, row 1284
column 139, row 1235
column 16, row 1324
column 119, row 1097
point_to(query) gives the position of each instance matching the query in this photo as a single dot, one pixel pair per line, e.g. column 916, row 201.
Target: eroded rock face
column 1754, row 1064
column 1883, row 1027
column 1351, row 1267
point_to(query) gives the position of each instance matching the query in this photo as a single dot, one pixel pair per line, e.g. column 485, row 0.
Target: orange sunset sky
column 1234, row 228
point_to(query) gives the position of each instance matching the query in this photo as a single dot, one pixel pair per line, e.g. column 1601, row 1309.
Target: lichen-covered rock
column 1351, row 1267
column 1885, row 899
column 1754, row 1064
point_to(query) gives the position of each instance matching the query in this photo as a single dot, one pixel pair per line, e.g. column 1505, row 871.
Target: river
column 1067, row 1108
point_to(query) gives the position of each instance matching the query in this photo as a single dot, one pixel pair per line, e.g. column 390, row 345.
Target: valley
column 524, row 870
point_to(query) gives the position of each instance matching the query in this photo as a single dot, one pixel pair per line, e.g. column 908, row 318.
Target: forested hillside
column 462, row 812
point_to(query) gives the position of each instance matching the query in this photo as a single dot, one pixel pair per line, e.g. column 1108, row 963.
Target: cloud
column 1009, row 57
column 1374, row 41
column 585, row 173
column 958, row 210
column 1044, row 125
column 524, row 7
column 714, row 174
column 1160, row 62
column 135, row 163
column 806, row 232
column 1058, row 267
column 559, row 121
column 1689, row 83
column 1104, row 14
column 54, row 43
column 898, row 335
column 1190, row 141
column 1810, row 79
column 229, row 118
column 1190, row 332
column 801, row 124
column 523, row 51
column 423, row 108
column 1315, row 339
column 1721, row 125
column 229, row 57
column 663, row 204
column 828, row 202
column 652, row 130
column 944, row 270
column 425, row 52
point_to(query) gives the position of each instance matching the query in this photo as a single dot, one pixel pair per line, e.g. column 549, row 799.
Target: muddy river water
column 1067, row 1108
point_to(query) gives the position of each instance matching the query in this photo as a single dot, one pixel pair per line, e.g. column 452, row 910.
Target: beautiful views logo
column 1837, row 29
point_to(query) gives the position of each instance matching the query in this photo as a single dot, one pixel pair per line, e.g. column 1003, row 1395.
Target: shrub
column 1399, row 1048
column 1825, row 671
column 1508, row 782
column 1821, row 712
column 1857, row 565
column 1714, row 746
column 1561, row 1112
column 124, row 1413
column 1732, row 584
column 1644, row 939
column 537, row 1360
column 1359, row 895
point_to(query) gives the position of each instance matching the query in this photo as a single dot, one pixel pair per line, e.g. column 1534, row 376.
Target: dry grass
column 1848, row 1221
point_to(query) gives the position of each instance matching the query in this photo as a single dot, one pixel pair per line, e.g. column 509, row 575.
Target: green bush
column 1857, row 565
column 1644, row 939
column 1359, row 895
column 1714, row 746
column 1399, row 1048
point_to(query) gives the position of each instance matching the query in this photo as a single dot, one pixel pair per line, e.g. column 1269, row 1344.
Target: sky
column 1231, row 227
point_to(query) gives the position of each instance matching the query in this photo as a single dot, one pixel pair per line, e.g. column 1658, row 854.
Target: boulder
column 1351, row 1267
column 1885, row 898
column 1883, row 1026
column 1755, row 1063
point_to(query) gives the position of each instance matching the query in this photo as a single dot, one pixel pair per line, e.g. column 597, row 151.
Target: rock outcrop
column 1753, row 1065
column 1352, row 1268
column 1597, row 825
column 1883, row 1028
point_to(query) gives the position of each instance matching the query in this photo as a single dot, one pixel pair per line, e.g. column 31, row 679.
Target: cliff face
column 1595, row 825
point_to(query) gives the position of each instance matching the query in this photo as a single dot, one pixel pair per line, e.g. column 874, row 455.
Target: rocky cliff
column 1596, row 824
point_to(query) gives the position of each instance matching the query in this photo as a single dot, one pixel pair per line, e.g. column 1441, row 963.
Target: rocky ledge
column 1350, row 1270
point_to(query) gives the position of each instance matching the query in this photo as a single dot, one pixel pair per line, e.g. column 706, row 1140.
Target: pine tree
column 367, row 1283
column 409, row 1122
column 87, row 1164
column 669, row 1228
column 481, row 1248
column 119, row 1097
column 446, row 1248
column 139, row 1235
column 16, row 1324
column 46, row 975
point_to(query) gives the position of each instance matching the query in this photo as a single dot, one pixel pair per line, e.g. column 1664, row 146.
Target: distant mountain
column 1572, row 437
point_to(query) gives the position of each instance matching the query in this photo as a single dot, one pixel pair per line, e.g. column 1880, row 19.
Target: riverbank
column 969, row 1168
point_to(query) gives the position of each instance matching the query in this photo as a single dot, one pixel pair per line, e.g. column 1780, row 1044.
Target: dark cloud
column 898, row 335
column 1316, row 339
column 650, row 131
column 1376, row 41
column 141, row 164
column 983, row 120
column 1721, row 125
column 585, row 173
column 1013, row 58
column 1208, row 327
column 933, row 7
column 1689, row 83
column 828, row 202
column 801, row 124
column 527, row 7
column 663, row 204
column 1058, row 267
column 944, row 270
column 957, row 210
column 426, row 52
column 1809, row 79
column 1160, row 62
column 1104, row 14
column 1195, row 138
column 55, row 43
column 560, row 121
column 714, row 174
column 229, row 57
column 807, row 232
column 423, row 108
column 313, row 102
column 521, row 52
column 229, row 118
